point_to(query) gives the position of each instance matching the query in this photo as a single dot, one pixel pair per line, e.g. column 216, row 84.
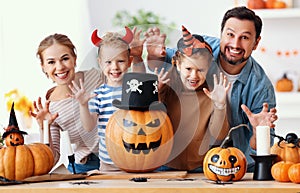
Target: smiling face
column 238, row 40
column 193, row 70
column 59, row 64
column 114, row 62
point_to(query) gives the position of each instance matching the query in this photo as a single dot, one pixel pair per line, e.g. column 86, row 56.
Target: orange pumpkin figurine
column 12, row 135
column 284, row 84
column 256, row 4
column 287, row 149
column 222, row 164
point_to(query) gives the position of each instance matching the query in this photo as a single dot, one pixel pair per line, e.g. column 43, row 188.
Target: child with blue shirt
column 95, row 109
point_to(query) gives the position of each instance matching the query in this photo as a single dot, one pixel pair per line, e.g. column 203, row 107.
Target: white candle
column 262, row 140
column 67, row 143
column 46, row 132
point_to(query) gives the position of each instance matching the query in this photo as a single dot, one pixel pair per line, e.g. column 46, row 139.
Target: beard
column 233, row 62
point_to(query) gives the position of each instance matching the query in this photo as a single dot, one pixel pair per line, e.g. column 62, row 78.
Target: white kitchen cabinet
column 288, row 111
column 278, row 13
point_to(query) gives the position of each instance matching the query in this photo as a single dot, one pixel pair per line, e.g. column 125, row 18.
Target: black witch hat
column 13, row 124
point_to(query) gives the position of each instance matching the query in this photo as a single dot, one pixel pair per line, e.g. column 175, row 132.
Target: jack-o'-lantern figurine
column 225, row 163
column 19, row 161
column 139, row 135
column 12, row 135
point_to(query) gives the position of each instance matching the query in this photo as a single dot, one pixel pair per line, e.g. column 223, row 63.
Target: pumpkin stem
column 227, row 138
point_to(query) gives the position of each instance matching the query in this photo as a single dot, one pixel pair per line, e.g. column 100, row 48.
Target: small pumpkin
column 287, row 149
column 224, row 164
column 14, row 139
column 139, row 141
column 280, row 170
column 256, row 4
column 294, row 173
column 284, row 84
column 22, row 161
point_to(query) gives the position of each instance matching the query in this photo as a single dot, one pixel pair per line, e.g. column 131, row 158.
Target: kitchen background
column 23, row 24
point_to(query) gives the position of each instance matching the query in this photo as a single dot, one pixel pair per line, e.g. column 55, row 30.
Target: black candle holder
column 263, row 165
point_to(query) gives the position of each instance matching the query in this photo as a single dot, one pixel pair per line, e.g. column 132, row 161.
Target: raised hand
column 155, row 42
column 136, row 45
column 163, row 77
column 79, row 93
column 265, row 117
column 42, row 112
column 219, row 93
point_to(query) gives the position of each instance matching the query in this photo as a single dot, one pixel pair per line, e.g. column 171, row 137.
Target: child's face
column 193, row 71
column 114, row 63
column 59, row 64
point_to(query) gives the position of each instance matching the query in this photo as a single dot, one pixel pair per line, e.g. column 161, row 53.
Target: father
column 252, row 93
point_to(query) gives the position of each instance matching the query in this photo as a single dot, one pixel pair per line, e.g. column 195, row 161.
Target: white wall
column 23, row 24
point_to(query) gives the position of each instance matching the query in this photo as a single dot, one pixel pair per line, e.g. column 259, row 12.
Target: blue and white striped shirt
column 102, row 105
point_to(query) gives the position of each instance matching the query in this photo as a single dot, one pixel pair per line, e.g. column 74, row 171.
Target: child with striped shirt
column 95, row 109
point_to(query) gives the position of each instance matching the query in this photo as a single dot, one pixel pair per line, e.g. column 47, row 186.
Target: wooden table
column 192, row 183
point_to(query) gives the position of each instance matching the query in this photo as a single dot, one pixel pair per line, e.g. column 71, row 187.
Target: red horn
column 128, row 36
column 95, row 39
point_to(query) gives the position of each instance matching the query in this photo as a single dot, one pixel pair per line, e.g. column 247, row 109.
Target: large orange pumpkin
column 224, row 164
column 139, row 141
column 22, row 161
column 286, row 152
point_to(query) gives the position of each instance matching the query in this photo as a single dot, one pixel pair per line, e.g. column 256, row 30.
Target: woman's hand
column 79, row 93
column 42, row 112
column 218, row 95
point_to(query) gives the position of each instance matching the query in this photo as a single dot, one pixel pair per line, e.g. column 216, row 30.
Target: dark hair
column 243, row 13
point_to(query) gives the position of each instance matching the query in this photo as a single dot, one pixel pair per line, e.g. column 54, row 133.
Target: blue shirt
column 252, row 88
column 102, row 105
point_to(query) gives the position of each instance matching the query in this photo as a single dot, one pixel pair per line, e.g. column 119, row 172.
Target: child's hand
column 218, row 95
column 42, row 112
column 136, row 45
column 155, row 43
column 79, row 93
column 162, row 77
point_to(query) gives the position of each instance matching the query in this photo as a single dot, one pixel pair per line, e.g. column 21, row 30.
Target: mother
column 57, row 56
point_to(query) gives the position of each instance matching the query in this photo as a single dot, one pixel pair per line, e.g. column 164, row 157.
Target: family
column 208, row 85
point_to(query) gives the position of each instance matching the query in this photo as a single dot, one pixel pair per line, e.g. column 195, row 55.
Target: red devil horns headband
column 127, row 38
column 191, row 42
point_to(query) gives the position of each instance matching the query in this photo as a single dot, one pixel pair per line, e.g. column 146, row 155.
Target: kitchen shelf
column 278, row 13
column 288, row 105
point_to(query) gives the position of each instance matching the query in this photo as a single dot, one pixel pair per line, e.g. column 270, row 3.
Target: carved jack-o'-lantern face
column 14, row 139
column 139, row 141
column 224, row 164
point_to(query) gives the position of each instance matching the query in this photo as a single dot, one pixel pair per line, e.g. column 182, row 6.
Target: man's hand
column 155, row 42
